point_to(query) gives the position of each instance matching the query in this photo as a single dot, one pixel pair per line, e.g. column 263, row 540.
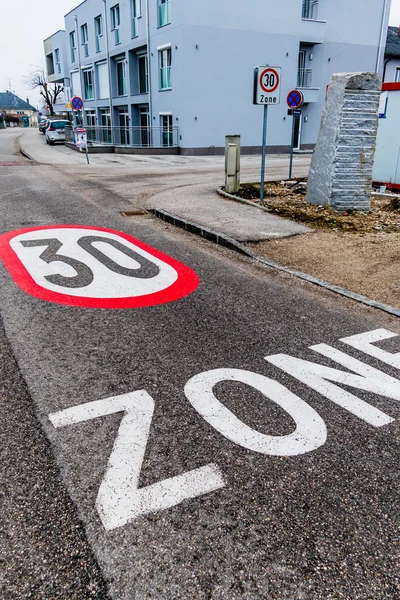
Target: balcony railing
column 165, row 13
column 310, row 9
column 304, row 77
column 136, row 137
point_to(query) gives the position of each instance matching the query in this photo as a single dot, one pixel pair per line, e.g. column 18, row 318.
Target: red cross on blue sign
column 295, row 99
column 77, row 103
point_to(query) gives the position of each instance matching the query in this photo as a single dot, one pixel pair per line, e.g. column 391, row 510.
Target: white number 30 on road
column 93, row 267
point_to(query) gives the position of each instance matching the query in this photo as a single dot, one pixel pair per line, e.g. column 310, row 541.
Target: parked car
column 55, row 131
column 43, row 125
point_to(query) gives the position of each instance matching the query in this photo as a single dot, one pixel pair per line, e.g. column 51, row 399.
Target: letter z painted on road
column 93, row 267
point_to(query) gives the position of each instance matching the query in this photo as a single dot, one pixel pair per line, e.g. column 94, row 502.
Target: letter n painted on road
column 93, row 267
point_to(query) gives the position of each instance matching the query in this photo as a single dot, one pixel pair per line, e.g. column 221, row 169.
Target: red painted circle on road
column 93, row 267
column 275, row 85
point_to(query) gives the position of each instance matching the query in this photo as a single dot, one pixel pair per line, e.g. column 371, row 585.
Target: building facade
column 15, row 112
column 181, row 72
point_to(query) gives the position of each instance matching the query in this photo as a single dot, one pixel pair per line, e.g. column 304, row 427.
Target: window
column 397, row 74
column 135, row 13
column 165, row 69
column 164, row 12
column 57, row 57
column 88, row 87
column 115, row 23
column 121, row 78
column 166, row 130
column 72, row 43
column 143, row 74
column 85, row 40
column 98, row 32
column 310, row 9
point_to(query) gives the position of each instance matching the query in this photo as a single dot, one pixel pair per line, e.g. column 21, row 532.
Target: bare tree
column 50, row 91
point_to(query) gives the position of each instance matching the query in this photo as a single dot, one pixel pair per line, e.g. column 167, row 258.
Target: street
column 179, row 422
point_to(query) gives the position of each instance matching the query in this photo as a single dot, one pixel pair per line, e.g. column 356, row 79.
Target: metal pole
column 264, row 140
column 291, row 150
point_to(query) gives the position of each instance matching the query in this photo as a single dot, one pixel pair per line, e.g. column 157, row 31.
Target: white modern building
column 181, row 71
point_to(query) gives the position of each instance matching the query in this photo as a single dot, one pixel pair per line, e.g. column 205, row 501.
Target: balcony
column 304, row 78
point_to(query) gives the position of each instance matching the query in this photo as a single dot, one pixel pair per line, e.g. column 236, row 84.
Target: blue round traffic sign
column 295, row 99
column 77, row 103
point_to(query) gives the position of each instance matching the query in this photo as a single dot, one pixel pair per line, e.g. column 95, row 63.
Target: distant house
column 391, row 68
column 13, row 110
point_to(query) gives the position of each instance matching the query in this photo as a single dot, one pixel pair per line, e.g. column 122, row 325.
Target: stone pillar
column 341, row 167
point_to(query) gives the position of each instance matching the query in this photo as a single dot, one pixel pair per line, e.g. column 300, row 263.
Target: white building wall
column 214, row 48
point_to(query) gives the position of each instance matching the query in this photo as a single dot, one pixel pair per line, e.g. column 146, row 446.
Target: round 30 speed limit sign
column 93, row 267
column 267, row 85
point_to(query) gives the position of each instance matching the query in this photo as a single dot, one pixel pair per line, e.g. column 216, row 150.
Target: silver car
column 55, row 131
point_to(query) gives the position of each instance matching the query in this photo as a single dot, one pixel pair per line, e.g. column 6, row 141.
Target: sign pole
column 291, row 150
column 264, row 141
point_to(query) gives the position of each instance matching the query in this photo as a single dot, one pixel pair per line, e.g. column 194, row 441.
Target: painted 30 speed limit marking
column 93, row 267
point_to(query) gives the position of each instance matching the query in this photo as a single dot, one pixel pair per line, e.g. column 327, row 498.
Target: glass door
column 145, row 126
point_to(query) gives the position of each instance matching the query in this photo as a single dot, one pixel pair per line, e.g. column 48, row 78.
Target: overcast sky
column 29, row 23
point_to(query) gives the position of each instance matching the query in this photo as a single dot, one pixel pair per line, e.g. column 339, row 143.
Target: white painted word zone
column 120, row 500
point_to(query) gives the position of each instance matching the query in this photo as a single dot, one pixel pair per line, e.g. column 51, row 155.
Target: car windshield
column 59, row 124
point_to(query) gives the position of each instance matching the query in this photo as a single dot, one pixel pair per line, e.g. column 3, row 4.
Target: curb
column 232, row 244
column 224, row 194
column 23, row 152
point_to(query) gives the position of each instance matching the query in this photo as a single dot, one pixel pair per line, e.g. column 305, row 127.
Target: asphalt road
column 189, row 466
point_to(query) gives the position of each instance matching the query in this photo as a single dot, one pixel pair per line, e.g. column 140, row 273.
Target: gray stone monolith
column 341, row 167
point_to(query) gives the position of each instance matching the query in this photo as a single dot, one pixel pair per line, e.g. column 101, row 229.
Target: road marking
column 93, row 267
column 119, row 500
column 365, row 343
column 319, row 378
column 310, row 431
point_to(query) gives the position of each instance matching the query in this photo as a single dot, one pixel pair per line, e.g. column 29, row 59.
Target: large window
column 72, row 43
column 88, row 87
column 57, row 57
column 115, row 23
column 165, row 69
column 121, row 78
column 135, row 14
column 85, row 40
column 98, row 32
column 143, row 74
column 164, row 12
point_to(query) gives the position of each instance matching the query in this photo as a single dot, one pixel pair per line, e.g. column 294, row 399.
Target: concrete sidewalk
column 202, row 206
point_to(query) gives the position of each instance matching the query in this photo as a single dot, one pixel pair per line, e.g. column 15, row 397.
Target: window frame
column 168, row 52
column 85, row 73
column 136, row 13
column 124, row 78
column 164, row 12
column 98, row 31
column 57, row 59
column 72, row 44
column 115, row 22
column 85, row 39
column 143, row 56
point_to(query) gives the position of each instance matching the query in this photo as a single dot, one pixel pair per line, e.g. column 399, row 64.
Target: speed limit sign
column 93, row 267
column 267, row 85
